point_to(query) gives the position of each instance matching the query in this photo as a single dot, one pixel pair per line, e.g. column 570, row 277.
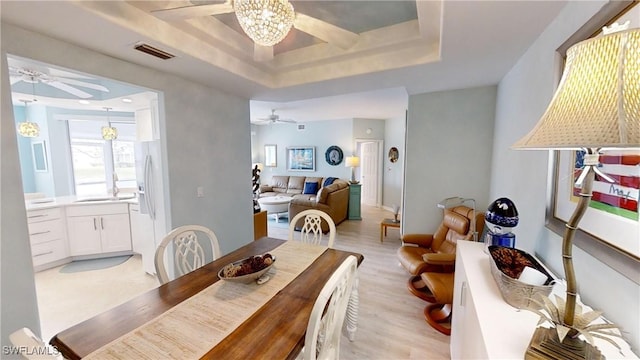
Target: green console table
column 354, row 202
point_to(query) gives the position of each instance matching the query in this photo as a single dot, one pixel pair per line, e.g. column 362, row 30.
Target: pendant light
column 27, row 128
column 109, row 132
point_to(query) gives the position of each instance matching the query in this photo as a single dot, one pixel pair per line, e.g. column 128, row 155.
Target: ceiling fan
column 274, row 119
column 320, row 29
column 17, row 74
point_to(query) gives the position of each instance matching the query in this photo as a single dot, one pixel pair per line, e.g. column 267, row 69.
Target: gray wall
column 18, row 304
column 448, row 153
column 320, row 134
column 206, row 137
column 523, row 95
column 393, row 172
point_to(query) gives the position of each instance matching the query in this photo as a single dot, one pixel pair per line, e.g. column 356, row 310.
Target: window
column 95, row 160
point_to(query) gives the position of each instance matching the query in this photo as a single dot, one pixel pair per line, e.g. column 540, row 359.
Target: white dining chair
column 189, row 253
column 322, row 340
column 311, row 231
column 31, row 347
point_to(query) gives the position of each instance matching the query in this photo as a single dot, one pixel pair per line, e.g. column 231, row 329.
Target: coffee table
column 275, row 205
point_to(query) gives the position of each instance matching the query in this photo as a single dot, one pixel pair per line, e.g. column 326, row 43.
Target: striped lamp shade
column 597, row 103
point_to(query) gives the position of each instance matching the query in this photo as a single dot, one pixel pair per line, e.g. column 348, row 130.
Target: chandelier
column 266, row 22
column 109, row 132
column 28, row 128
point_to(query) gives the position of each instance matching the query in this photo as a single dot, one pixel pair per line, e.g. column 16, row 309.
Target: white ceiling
column 433, row 46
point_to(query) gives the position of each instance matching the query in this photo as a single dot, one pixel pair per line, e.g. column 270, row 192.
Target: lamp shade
column 352, row 161
column 597, row 103
column 502, row 212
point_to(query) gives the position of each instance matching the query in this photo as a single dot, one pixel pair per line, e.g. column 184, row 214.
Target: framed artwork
column 393, row 154
column 610, row 226
column 39, row 150
column 333, row 155
column 301, row 158
column 270, row 157
column 609, row 230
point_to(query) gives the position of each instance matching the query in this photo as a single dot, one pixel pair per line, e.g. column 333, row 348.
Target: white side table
column 275, row 205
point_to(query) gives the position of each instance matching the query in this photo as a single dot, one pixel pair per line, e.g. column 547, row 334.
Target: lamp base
column 354, row 181
column 545, row 345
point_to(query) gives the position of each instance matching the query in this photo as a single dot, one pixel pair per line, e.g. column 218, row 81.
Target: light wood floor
column 391, row 324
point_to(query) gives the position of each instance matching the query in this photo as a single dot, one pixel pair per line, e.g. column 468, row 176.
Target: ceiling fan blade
column 70, row 89
column 83, row 84
column 187, row 12
column 332, row 34
column 14, row 79
column 290, row 121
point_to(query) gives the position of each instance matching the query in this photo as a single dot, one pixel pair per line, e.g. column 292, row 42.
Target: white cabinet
column 99, row 228
column 483, row 325
column 47, row 235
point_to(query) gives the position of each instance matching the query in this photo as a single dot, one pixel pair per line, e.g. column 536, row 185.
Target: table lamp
column 353, row 162
column 596, row 107
column 457, row 201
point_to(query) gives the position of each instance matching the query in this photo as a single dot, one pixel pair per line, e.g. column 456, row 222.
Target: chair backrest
column 189, row 254
column 32, row 347
column 311, row 231
column 456, row 225
column 327, row 316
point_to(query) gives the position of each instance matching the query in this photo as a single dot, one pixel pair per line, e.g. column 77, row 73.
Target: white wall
column 448, row 153
column 523, row 95
column 206, row 137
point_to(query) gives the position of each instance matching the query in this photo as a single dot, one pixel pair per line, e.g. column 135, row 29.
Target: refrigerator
column 148, row 222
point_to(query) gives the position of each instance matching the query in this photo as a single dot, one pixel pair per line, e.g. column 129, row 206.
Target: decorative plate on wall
column 333, row 155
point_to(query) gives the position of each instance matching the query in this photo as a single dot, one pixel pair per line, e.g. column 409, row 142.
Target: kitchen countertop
column 47, row 203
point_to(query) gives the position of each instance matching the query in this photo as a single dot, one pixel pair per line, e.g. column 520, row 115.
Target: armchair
column 430, row 259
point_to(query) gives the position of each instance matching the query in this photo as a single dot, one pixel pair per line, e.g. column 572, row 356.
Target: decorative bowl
column 247, row 278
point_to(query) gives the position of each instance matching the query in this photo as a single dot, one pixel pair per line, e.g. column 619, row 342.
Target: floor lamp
column 595, row 107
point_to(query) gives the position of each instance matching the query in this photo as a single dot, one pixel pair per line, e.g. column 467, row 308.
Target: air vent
column 146, row 48
column 300, row 127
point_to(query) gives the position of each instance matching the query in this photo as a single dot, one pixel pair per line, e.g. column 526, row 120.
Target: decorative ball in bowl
column 248, row 269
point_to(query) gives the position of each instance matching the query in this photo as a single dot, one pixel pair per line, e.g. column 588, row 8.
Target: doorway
column 371, row 155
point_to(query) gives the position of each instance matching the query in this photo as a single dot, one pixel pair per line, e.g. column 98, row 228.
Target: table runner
column 193, row 327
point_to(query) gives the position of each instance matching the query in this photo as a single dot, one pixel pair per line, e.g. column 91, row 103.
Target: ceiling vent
column 146, row 48
column 300, row 127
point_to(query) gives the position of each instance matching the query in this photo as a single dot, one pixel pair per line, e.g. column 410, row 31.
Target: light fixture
column 595, row 107
column 266, row 22
column 27, row 128
column 84, row 102
column 353, row 162
column 127, row 100
column 457, row 201
column 109, row 132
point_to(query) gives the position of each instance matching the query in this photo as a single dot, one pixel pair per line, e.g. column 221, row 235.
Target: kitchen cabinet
column 98, row 229
column 142, row 237
column 47, row 235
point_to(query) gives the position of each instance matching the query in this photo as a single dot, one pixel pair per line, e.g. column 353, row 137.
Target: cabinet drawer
column 48, row 252
column 40, row 232
column 89, row 210
column 34, row 216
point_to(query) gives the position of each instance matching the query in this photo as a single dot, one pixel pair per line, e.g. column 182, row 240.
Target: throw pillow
column 328, row 181
column 310, row 188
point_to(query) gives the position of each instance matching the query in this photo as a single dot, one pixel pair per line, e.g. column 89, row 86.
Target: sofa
column 333, row 199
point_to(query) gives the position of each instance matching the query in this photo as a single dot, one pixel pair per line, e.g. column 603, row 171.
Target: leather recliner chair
column 430, row 259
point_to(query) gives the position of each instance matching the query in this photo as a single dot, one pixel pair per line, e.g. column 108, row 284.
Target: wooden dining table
column 275, row 331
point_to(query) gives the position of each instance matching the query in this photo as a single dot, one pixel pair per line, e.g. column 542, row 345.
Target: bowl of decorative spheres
column 248, row 269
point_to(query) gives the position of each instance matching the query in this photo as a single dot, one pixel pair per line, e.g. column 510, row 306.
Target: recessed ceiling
column 414, row 46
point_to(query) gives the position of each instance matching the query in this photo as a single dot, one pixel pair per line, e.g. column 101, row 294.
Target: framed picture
column 39, row 151
column 270, row 158
column 610, row 227
column 301, row 158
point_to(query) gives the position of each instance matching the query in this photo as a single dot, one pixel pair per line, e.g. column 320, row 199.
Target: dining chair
column 189, row 253
column 322, row 340
column 311, row 230
column 31, row 347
